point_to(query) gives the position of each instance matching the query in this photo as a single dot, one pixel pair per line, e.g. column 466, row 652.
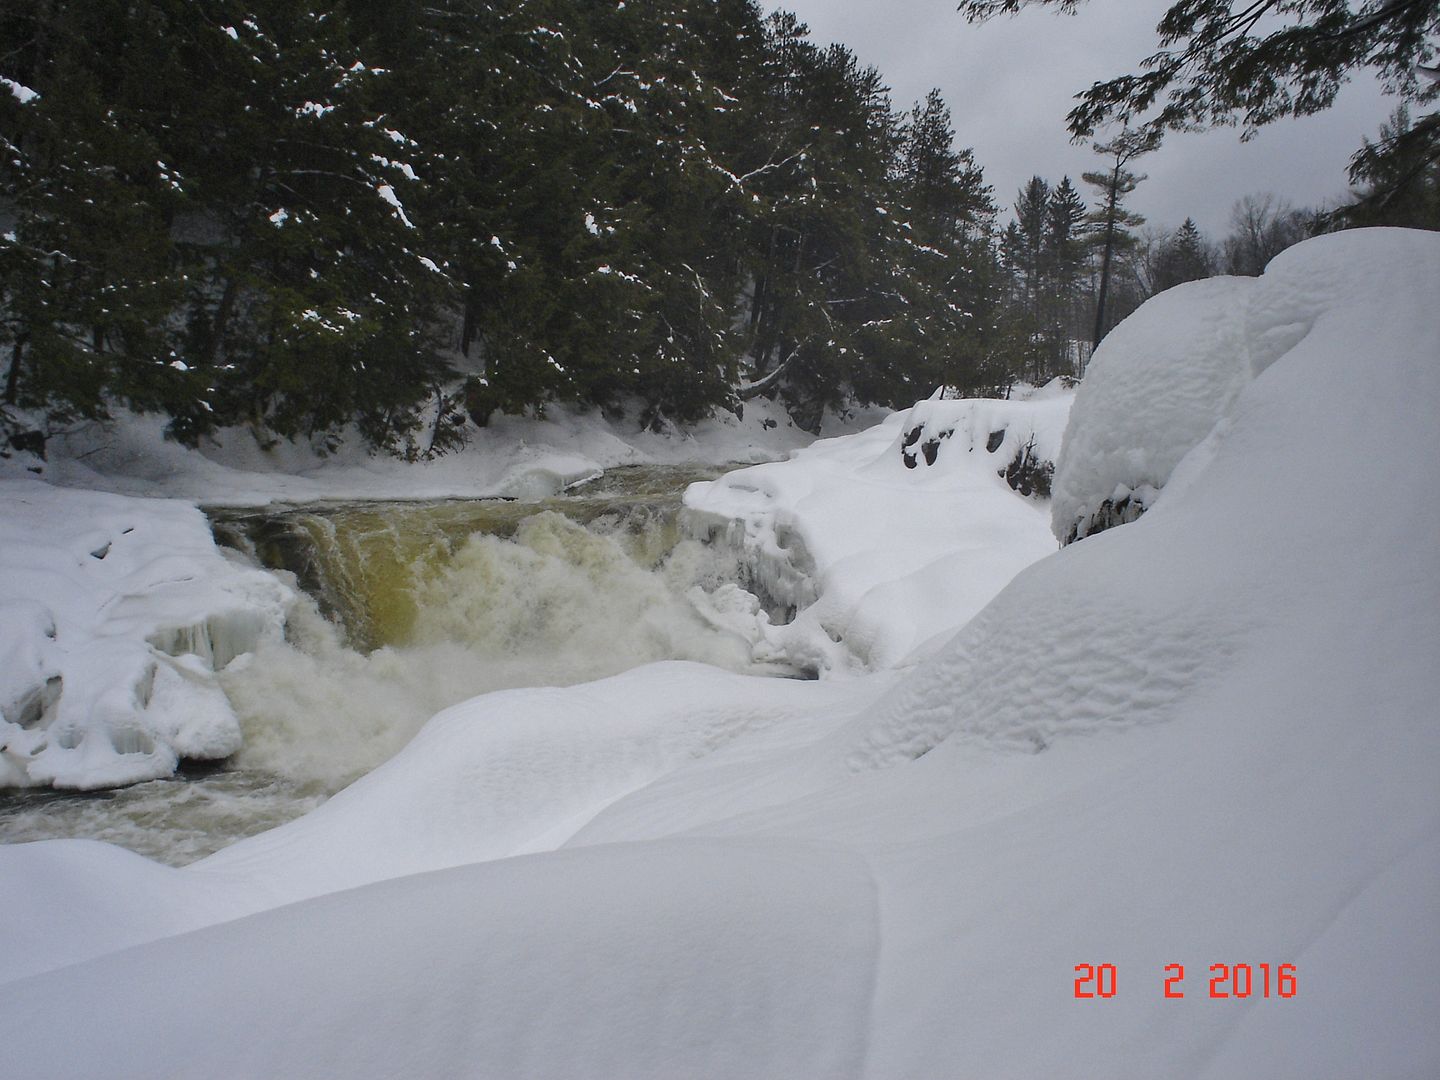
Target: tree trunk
column 12, row 377
column 1106, row 257
column 217, row 327
column 468, row 330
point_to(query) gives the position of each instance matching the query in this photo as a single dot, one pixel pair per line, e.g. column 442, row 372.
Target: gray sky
column 1009, row 84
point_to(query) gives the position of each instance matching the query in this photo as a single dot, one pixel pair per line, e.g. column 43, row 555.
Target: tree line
column 407, row 217
column 1074, row 271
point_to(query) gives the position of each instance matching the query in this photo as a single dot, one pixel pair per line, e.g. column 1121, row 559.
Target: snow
column 512, row 456
column 1205, row 737
column 446, row 985
column 1162, row 379
column 387, row 193
column 115, row 615
column 1155, row 387
column 521, row 771
column 888, row 540
column 21, row 92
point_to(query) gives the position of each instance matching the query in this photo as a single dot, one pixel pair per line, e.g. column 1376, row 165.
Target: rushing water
column 413, row 607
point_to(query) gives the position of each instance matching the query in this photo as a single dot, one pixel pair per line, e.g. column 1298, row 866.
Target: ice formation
column 872, row 548
column 115, row 615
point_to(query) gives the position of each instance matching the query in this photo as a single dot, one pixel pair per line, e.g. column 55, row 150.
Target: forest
column 409, row 217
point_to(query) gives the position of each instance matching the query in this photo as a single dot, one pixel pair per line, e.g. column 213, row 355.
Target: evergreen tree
column 1111, row 220
column 240, row 253
column 1065, row 241
column 948, row 282
column 307, row 217
column 1183, row 256
column 1397, row 176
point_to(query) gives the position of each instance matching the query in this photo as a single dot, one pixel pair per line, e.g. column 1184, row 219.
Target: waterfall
column 417, row 607
column 408, row 608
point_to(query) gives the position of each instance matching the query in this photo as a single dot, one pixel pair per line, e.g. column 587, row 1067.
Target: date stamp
column 1238, row 981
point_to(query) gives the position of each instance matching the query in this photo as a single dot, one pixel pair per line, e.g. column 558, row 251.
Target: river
column 410, row 608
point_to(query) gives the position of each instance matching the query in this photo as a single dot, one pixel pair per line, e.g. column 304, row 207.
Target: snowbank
column 522, row 770
column 115, row 614
column 514, row 457
column 1162, row 379
column 886, row 541
column 1154, row 388
column 1205, row 738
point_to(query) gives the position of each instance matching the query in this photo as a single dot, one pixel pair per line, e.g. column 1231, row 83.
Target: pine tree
column 942, row 253
column 1112, row 221
column 303, row 218
column 1031, row 205
column 1397, row 177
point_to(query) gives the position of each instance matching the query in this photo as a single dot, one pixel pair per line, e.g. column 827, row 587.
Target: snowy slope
column 1207, row 737
column 888, row 540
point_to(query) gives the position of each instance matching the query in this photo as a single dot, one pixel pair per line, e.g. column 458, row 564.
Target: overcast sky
column 1009, row 84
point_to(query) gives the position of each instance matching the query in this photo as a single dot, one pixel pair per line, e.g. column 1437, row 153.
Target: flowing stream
column 412, row 607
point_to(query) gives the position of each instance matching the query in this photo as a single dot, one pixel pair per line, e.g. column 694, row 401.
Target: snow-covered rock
column 115, row 614
column 1154, row 388
column 882, row 543
column 1162, row 379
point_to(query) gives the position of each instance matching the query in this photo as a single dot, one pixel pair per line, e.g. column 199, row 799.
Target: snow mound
column 872, row 546
column 1164, row 377
column 1153, row 390
column 1117, row 632
column 711, row 959
column 518, row 771
column 115, row 614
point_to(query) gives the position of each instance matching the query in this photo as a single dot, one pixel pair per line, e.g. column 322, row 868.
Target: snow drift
column 872, row 548
column 1208, row 737
column 1154, row 388
column 1164, row 377
column 115, row 614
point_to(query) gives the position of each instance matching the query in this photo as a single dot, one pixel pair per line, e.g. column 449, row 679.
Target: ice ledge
column 870, row 549
column 115, row 615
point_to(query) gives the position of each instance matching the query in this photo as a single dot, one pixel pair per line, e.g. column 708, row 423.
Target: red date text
column 1225, row 981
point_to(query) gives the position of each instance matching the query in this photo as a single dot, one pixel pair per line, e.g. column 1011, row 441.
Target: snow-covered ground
column 888, row 541
column 1205, row 738
column 513, row 457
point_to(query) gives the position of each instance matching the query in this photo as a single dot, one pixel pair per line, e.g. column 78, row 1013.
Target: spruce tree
column 1184, row 256
column 1065, row 241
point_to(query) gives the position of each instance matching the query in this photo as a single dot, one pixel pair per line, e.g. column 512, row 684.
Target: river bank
column 513, row 457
